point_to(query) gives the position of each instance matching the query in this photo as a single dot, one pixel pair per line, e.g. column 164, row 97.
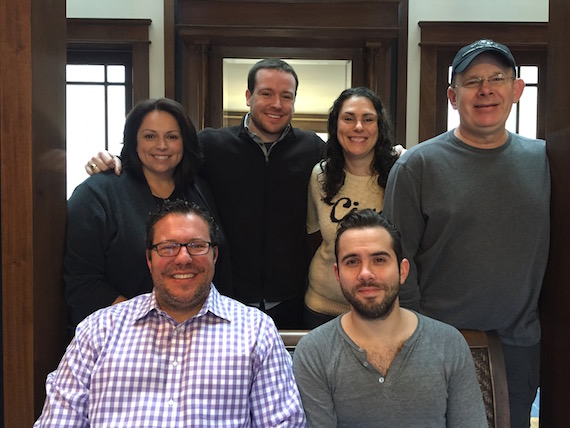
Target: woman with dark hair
column 106, row 215
column 360, row 153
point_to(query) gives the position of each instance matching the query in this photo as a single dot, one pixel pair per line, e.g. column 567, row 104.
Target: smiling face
column 357, row 129
column 368, row 271
column 181, row 283
column 272, row 103
column 159, row 145
column 484, row 110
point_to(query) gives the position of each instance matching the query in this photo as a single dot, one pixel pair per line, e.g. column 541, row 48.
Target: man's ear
column 247, row 98
column 404, row 270
column 518, row 87
column 336, row 272
column 215, row 251
column 452, row 96
column 148, row 257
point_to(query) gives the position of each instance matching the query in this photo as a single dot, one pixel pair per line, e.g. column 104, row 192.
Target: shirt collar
column 213, row 305
column 256, row 137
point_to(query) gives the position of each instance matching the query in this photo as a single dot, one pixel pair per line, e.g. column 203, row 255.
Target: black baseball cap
column 468, row 53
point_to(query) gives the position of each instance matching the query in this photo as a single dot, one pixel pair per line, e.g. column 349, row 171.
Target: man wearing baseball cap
column 473, row 207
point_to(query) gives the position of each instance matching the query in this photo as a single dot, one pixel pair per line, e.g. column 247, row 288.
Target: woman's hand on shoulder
column 399, row 150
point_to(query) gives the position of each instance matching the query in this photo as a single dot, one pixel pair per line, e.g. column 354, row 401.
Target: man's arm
column 274, row 398
column 67, row 395
column 310, row 374
column 402, row 198
column 103, row 161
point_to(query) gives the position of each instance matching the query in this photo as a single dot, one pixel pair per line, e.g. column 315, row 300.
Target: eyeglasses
column 172, row 249
column 477, row 82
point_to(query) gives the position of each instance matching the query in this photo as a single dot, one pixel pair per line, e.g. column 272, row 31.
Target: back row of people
column 470, row 264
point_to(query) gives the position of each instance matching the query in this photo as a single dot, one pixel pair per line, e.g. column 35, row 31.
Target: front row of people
column 184, row 355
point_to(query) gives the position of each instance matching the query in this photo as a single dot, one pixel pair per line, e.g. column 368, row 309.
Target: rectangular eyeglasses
column 197, row 247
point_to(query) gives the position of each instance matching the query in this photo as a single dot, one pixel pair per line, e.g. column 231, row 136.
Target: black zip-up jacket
column 262, row 203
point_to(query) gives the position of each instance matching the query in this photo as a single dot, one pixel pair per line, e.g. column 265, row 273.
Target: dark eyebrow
column 348, row 256
column 365, row 114
column 382, row 253
column 377, row 253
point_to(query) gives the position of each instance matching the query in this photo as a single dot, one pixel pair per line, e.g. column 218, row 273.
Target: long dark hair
column 384, row 158
column 192, row 157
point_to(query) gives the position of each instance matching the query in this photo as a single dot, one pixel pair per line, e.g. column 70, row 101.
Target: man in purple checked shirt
column 181, row 356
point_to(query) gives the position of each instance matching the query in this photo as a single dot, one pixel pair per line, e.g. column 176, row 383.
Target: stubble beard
column 170, row 302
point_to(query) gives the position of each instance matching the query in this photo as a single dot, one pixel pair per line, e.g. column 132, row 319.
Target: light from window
column 95, row 115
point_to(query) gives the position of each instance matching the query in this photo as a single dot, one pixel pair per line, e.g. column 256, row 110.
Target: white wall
column 456, row 10
column 131, row 9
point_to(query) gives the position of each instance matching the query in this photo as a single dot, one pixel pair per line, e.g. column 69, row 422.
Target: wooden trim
column 33, row 205
column 169, row 48
column 555, row 297
column 132, row 34
column 113, row 31
column 401, row 75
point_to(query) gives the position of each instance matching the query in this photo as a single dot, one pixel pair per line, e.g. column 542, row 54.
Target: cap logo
column 482, row 44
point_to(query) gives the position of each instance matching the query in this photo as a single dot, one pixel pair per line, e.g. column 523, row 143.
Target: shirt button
column 381, row 379
column 171, row 402
column 175, row 363
column 365, row 364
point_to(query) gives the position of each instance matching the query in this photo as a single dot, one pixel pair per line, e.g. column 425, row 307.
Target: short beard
column 169, row 302
column 373, row 311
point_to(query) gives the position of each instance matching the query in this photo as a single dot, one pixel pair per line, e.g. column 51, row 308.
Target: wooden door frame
column 287, row 29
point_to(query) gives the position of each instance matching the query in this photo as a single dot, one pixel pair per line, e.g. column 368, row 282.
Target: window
column 99, row 93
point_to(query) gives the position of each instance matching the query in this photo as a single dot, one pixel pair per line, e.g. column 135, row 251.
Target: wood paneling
column 169, row 48
column 555, row 299
column 32, row 140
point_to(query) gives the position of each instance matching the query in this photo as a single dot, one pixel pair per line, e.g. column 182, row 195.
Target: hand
column 119, row 299
column 399, row 150
column 103, row 162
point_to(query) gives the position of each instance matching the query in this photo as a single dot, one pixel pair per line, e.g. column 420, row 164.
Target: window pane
column 116, row 73
column 529, row 73
column 85, row 73
column 511, row 124
column 116, row 118
column 528, row 112
column 452, row 117
column 85, row 117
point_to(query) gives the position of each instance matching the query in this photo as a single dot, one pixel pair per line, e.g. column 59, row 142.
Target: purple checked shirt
column 132, row 365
